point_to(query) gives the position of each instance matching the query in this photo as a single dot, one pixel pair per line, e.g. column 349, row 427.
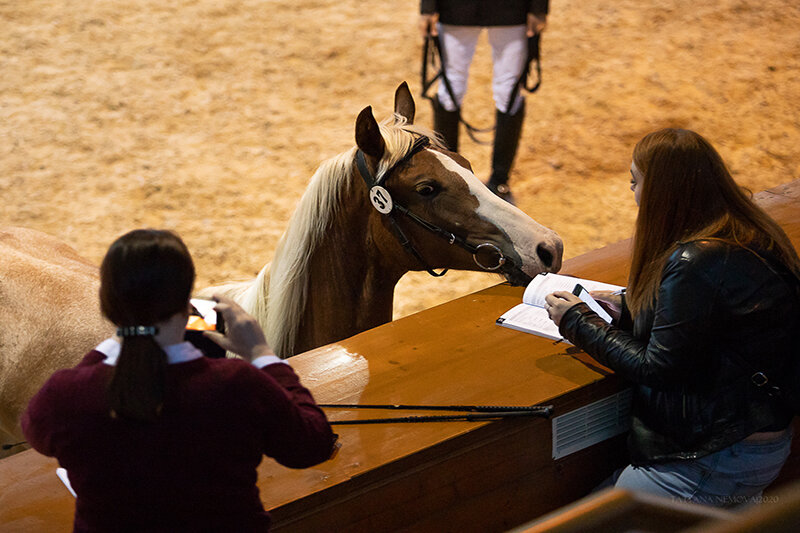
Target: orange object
column 198, row 324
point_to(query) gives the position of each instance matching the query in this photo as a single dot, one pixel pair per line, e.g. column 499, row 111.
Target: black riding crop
column 475, row 413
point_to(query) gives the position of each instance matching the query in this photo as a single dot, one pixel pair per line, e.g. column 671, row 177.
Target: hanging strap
column 522, row 81
column 432, row 52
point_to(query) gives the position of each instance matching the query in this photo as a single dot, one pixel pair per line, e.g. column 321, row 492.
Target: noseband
column 382, row 201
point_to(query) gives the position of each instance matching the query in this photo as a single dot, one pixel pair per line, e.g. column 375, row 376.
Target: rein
column 382, row 201
column 432, row 55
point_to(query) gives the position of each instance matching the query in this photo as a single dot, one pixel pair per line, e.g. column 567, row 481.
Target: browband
column 419, row 144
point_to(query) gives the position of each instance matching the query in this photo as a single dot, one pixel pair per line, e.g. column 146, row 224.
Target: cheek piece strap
column 383, row 202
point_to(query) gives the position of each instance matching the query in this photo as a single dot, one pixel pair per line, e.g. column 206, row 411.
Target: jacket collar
column 176, row 353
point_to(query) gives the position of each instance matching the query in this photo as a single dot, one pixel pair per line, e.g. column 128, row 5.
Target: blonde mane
column 280, row 289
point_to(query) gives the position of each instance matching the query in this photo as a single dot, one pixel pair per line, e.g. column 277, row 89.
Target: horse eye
column 427, row 189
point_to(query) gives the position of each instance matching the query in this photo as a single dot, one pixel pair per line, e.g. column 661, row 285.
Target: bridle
column 382, row 201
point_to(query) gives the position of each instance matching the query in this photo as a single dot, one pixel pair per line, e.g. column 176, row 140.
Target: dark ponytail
column 146, row 277
column 137, row 387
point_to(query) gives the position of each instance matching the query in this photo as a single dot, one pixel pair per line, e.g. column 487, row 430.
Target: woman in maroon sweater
column 156, row 437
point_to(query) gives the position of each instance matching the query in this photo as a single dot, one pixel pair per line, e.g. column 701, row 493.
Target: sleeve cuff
column 266, row 360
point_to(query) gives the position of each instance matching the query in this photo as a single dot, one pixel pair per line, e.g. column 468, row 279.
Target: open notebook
column 531, row 317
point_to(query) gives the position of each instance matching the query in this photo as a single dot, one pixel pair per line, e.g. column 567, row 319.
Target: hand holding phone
column 244, row 335
column 584, row 295
column 203, row 317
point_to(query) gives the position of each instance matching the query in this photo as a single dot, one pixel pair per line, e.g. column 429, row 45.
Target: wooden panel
column 423, row 477
column 31, row 496
column 616, row 510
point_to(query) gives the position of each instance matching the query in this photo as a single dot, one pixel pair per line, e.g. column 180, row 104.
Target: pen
column 619, row 292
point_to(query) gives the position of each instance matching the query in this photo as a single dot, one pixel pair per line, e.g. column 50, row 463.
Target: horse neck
column 351, row 282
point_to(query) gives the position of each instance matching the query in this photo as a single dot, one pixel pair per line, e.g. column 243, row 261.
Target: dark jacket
column 483, row 12
column 693, row 396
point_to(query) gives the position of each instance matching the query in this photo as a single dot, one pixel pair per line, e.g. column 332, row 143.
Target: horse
column 333, row 273
column 396, row 202
column 51, row 317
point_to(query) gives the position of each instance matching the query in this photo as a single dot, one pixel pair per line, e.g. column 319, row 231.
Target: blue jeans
column 733, row 476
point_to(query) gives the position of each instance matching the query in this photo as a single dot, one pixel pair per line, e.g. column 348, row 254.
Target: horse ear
column 404, row 103
column 368, row 134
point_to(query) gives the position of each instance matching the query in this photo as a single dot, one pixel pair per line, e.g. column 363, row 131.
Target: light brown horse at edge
column 332, row 276
column 51, row 318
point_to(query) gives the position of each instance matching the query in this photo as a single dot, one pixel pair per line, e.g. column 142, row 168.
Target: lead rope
column 432, row 54
column 432, row 51
column 522, row 81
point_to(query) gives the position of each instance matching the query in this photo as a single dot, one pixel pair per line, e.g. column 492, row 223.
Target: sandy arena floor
column 209, row 116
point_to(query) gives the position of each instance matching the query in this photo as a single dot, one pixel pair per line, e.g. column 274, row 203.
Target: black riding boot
column 445, row 123
column 506, row 140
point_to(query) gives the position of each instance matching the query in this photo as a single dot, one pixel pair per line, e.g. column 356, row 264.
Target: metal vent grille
column 591, row 424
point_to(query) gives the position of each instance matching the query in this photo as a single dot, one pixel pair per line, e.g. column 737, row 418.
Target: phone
column 581, row 292
column 203, row 317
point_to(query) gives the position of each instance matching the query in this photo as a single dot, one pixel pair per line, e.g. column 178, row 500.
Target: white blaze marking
column 524, row 232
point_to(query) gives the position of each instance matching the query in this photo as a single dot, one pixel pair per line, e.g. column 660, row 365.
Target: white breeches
column 509, row 54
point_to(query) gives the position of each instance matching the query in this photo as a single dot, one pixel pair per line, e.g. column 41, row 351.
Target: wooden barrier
column 459, row 476
column 619, row 511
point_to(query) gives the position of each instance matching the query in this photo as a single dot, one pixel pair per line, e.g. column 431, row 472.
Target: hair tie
column 137, row 331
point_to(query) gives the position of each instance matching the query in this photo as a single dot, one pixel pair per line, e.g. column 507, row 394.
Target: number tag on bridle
column 381, row 199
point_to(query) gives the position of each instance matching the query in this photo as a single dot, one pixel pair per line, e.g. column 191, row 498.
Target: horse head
column 396, row 202
column 428, row 202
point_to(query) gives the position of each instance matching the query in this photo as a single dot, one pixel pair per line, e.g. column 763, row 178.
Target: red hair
column 688, row 194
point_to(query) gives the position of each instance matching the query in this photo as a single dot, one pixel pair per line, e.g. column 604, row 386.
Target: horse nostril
column 545, row 255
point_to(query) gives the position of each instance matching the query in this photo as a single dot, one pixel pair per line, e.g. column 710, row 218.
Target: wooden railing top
column 450, row 354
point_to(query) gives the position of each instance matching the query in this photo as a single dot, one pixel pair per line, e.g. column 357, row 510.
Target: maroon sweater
column 195, row 468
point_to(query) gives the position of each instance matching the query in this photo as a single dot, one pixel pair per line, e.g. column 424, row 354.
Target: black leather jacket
column 717, row 303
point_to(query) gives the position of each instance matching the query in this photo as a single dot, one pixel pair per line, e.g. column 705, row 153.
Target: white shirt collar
column 176, row 353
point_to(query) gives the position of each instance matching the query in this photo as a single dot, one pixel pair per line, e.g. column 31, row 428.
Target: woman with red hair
column 710, row 315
